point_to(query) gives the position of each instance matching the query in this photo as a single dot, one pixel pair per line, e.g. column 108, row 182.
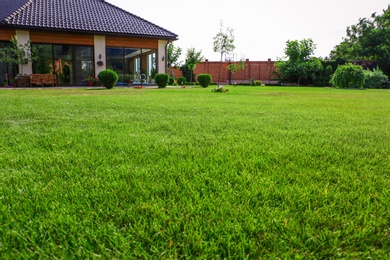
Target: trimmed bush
column 375, row 78
column 108, row 78
column 171, row 80
column 181, row 80
column 161, row 80
column 204, row 80
column 348, row 76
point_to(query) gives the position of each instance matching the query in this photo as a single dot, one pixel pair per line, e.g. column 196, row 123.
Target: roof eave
column 171, row 38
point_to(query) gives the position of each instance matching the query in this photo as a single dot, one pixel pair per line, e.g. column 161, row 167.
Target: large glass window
column 7, row 70
column 63, row 65
column 132, row 65
column 71, row 64
column 83, row 64
column 44, row 62
column 3, row 69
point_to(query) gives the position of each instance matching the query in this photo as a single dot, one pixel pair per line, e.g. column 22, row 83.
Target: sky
column 260, row 27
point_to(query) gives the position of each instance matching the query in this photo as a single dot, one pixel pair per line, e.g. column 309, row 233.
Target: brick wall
column 262, row 70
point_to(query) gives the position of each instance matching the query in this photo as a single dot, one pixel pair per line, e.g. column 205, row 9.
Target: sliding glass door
column 71, row 64
column 133, row 66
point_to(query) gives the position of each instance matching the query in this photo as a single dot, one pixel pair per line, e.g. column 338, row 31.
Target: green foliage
column 223, row 43
column 108, row 78
column 173, row 55
column 187, row 73
column 259, row 83
column 369, row 39
column 161, row 80
column 204, row 80
column 375, row 78
column 299, row 65
column 193, row 58
column 17, row 53
column 348, row 76
column 181, row 80
column 171, row 80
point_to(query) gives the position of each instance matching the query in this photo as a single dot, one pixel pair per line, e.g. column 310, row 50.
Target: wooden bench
column 49, row 79
column 42, row 79
column 35, row 79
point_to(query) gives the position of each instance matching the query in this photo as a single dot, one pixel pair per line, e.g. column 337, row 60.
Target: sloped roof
column 95, row 16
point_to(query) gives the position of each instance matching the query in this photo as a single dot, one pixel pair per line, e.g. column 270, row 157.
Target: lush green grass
column 268, row 172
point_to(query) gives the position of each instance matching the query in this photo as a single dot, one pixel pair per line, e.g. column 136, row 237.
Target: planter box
column 23, row 81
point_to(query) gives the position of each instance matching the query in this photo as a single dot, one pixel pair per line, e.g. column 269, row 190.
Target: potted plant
column 129, row 78
column 22, row 80
column 19, row 54
column 90, row 80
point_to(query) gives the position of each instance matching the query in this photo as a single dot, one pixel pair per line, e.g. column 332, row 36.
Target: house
column 79, row 38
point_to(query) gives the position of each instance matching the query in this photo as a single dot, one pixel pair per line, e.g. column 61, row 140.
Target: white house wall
column 23, row 38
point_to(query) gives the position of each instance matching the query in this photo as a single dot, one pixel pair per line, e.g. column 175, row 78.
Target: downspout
column 166, row 58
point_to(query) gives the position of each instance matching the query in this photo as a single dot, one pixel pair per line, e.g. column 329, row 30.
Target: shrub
column 375, row 78
column 259, row 83
column 108, row 78
column 161, row 80
column 348, row 76
column 204, row 80
column 171, row 80
column 181, row 80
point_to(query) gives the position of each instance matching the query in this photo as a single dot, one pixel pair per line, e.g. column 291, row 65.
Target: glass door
column 63, row 65
column 83, row 64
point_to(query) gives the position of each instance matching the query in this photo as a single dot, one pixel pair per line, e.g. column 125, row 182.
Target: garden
column 255, row 172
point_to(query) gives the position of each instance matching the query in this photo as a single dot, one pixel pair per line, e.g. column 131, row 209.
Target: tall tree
column 368, row 40
column 173, row 55
column 300, row 63
column 223, row 43
column 193, row 58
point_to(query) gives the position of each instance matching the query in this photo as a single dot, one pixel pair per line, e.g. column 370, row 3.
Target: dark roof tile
column 81, row 15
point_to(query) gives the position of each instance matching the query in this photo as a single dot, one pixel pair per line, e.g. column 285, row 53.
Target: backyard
column 256, row 172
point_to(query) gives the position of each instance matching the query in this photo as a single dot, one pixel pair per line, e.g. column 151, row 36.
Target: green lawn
column 256, row 172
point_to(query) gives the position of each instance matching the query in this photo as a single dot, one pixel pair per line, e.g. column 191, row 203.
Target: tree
column 19, row 54
column 234, row 67
column 299, row 64
column 193, row 59
column 223, row 43
column 367, row 40
column 173, row 55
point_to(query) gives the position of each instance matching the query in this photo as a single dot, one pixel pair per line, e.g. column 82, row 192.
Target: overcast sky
column 261, row 27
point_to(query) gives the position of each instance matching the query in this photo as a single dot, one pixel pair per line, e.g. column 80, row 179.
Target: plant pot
column 23, row 81
column 90, row 83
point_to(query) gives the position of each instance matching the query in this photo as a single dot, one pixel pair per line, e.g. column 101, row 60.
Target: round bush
column 204, row 80
column 348, row 76
column 171, row 81
column 108, row 78
column 258, row 83
column 181, row 80
column 161, row 80
column 375, row 78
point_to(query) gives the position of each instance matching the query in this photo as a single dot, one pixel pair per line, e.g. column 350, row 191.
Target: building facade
column 76, row 39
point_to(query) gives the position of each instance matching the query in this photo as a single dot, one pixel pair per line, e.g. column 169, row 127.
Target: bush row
column 354, row 76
